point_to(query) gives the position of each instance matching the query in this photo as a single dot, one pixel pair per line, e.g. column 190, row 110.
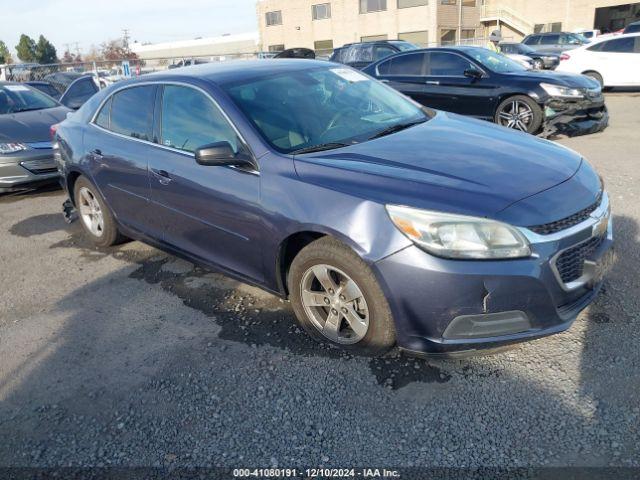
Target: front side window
column 372, row 5
column 132, row 112
column 348, row 107
column 15, row 98
column 532, row 39
column 321, row 11
column 619, row 45
column 443, row 64
column 191, row 120
column 274, row 18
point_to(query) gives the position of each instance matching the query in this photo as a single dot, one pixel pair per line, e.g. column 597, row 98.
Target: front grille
column 568, row 222
column 570, row 264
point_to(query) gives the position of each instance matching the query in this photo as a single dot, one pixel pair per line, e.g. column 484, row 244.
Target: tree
column 45, row 52
column 5, row 55
column 26, row 48
column 116, row 50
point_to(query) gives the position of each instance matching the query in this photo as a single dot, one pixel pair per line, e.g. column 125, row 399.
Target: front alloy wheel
column 519, row 113
column 335, row 304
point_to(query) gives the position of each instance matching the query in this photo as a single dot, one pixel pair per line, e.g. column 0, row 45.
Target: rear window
column 132, row 112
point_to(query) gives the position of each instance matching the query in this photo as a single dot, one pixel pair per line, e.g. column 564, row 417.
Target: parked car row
column 382, row 221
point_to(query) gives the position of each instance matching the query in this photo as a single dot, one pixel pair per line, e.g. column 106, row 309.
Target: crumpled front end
column 574, row 118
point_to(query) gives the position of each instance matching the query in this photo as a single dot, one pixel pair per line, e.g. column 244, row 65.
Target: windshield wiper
column 397, row 128
column 28, row 109
column 320, row 148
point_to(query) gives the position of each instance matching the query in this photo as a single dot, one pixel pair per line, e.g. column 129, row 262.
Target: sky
column 91, row 22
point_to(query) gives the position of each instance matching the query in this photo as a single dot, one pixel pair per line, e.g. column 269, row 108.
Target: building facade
column 323, row 25
column 326, row 24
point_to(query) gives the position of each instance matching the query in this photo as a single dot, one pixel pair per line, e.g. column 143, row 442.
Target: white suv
column 614, row 62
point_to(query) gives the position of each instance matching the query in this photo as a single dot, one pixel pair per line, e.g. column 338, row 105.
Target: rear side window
column 132, row 112
column 409, row 64
column 191, row 120
column 619, row 45
column 447, row 64
column 104, row 117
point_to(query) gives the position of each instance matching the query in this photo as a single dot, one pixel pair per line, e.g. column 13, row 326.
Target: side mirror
column 473, row 73
column 221, row 154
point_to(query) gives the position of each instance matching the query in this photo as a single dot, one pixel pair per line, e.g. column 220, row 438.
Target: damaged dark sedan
column 479, row 83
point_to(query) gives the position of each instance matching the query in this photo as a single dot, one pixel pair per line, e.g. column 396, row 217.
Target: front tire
column 94, row 214
column 519, row 113
column 538, row 64
column 337, row 298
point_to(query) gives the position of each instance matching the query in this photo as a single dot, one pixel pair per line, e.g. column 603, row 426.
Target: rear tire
column 337, row 299
column 519, row 113
column 94, row 214
column 596, row 76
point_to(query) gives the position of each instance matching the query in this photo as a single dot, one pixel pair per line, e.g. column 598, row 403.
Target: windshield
column 16, row 98
column 494, row 61
column 309, row 108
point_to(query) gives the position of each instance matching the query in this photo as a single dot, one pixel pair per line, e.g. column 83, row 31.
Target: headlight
column 459, row 236
column 558, row 91
column 6, row 148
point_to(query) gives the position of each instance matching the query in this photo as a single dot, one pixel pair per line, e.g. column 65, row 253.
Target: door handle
column 432, row 82
column 162, row 175
column 97, row 153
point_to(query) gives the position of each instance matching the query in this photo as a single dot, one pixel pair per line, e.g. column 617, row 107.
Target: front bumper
column 575, row 118
column 27, row 168
column 444, row 306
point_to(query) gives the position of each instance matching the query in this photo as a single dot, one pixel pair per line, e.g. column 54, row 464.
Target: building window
column 447, row 36
column 367, row 6
column 412, row 3
column 468, row 3
column 448, row 2
column 538, row 28
column 276, row 48
column 468, row 34
column 420, row 39
column 323, row 46
column 555, row 27
column 373, row 38
column 274, row 18
column 321, row 11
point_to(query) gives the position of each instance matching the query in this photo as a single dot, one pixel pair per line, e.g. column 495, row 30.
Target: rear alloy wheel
column 596, row 76
column 519, row 113
column 337, row 298
column 95, row 217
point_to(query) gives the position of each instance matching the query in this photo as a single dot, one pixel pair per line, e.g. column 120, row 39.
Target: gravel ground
column 129, row 356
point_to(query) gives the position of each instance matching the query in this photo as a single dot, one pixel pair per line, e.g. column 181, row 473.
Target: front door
column 210, row 212
column 448, row 88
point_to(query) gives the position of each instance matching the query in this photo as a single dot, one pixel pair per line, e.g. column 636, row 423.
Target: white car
column 612, row 61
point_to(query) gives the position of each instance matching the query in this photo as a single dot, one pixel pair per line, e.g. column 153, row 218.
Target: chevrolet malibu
column 383, row 222
column 26, row 154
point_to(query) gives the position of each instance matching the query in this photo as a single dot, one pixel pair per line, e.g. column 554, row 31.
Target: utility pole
column 125, row 38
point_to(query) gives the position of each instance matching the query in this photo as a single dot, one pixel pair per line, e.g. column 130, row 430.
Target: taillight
column 52, row 131
column 564, row 57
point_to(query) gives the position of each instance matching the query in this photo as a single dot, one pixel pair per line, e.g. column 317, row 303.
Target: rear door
column 406, row 73
column 211, row 212
column 448, row 88
column 119, row 152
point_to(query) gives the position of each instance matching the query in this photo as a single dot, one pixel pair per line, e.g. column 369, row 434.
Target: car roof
column 236, row 70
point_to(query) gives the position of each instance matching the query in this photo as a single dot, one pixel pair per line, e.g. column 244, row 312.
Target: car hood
column 557, row 78
column 31, row 126
column 450, row 164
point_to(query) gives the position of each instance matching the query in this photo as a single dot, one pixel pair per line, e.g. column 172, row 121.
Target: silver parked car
column 26, row 153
